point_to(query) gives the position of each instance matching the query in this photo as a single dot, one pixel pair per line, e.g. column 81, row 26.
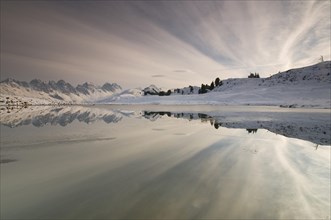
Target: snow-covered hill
column 128, row 94
column 314, row 75
column 189, row 90
column 39, row 92
column 151, row 90
column 303, row 87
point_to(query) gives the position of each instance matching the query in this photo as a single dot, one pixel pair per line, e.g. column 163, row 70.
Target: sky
column 167, row 43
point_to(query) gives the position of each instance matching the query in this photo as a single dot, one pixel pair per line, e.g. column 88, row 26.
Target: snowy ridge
column 151, row 90
column 128, row 94
column 189, row 90
column 308, row 87
column 39, row 92
column 310, row 76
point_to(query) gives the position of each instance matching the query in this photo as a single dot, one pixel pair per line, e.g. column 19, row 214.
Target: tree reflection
column 303, row 126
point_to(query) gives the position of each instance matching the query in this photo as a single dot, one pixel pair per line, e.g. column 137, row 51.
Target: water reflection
column 251, row 130
column 41, row 116
column 308, row 127
column 156, row 164
column 7, row 160
column 314, row 126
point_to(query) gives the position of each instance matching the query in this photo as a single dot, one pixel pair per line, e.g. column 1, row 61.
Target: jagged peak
column 152, row 87
column 61, row 81
column 34, row 81
column 8, row 80
column 111, row 87
column 86, row 85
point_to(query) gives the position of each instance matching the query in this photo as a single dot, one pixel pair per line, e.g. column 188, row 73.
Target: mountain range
column 302, row 87
column 51, row 92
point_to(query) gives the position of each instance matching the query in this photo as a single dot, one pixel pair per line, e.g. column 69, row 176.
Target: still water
column 151, row 162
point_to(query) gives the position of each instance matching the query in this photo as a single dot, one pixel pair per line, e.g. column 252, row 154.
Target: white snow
column 152, row 89
column 46, row 93
column 303, row 87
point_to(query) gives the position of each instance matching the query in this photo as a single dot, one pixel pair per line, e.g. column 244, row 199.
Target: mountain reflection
column 251, row 130
column 62, row 116
column 306, row 128
column 313, row 127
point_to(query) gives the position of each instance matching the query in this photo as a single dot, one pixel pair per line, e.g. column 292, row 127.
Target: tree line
column 205, row 87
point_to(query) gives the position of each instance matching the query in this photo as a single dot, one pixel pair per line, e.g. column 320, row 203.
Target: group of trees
column 163, row 93
column 205, row 87
column 181, row 91
column 191, row 89
column 251, row 130
column 252, row 75
column 159, row 93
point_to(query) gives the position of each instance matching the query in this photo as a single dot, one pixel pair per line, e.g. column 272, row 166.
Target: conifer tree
column 212, row 86
column 217, row 81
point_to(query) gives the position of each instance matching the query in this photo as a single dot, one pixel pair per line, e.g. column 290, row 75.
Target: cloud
column 158, row 75
column 249, row 34
column 183, row 71
column 124, row 42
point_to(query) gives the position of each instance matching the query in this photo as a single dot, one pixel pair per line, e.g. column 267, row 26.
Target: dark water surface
column 157, row 162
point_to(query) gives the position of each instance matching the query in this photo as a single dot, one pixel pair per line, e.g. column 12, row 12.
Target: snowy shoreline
column 292, row 106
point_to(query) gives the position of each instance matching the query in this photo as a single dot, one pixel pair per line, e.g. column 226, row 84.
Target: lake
column 165, row 162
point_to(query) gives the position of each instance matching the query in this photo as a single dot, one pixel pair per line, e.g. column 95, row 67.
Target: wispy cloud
column 158, row 75
column 126, row 41
column 183, row 71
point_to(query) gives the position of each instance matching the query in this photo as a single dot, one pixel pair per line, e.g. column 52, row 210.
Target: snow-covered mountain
column 40, row 92
column 314, row 75
column 127, row 94
column 303, row 87
column 151, row 90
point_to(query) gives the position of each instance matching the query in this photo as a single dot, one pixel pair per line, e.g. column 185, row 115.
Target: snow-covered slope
column 307, row 86
column 151, row 90
column 39, row 92
column 128, row 94
column 186, row 90
column 303, row 87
